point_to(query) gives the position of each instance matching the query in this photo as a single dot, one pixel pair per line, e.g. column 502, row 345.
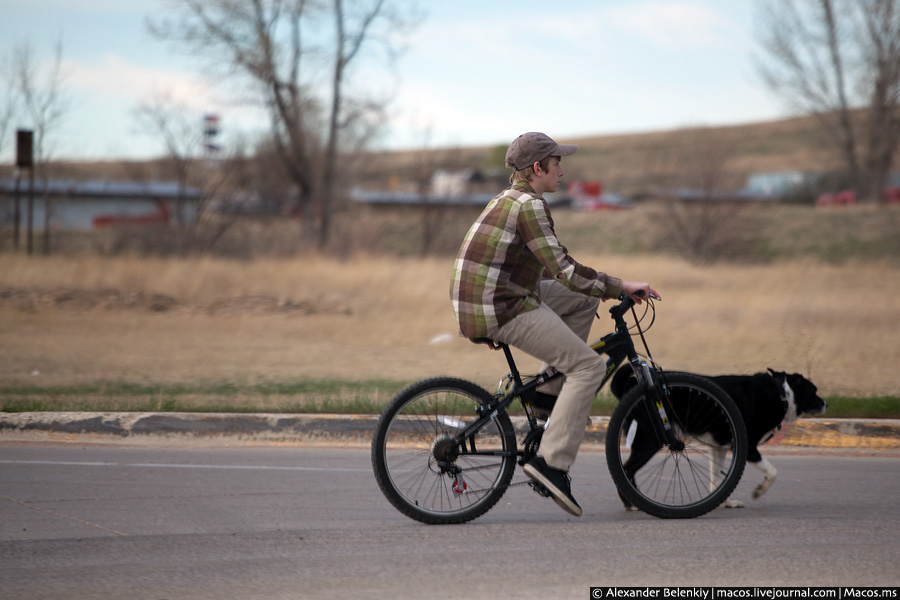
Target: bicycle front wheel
column 691, row 477
column 420, row 467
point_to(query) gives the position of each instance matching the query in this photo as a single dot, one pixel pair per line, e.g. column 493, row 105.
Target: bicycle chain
column 500, row 487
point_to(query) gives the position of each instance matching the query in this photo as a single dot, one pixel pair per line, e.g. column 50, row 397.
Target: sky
column 474, row 72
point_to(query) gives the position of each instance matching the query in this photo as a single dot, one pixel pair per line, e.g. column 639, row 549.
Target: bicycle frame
column 618, row 346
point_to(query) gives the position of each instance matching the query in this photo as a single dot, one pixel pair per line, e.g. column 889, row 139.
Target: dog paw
column 761, row 489
column 733, row 504
column 631, row 509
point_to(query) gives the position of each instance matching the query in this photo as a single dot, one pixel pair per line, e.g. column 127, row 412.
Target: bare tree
column 701, row 215
column 224, row 182
column 8, row 101
column 281, row 47
column 182, row 136
column 45, row 102
column 828, row 57
column 8, row 105
column 44, row 99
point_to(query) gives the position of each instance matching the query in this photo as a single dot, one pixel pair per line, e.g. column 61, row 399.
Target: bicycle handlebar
column 626, row 303
column 642, row 293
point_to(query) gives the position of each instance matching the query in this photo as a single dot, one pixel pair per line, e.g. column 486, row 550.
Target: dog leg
column 717, row 456
column 729, row 503
column 769, row 469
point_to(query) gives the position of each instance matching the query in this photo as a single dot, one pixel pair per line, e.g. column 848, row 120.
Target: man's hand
column 638, row 290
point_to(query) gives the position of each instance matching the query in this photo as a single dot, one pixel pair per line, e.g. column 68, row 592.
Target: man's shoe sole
column 560, row 498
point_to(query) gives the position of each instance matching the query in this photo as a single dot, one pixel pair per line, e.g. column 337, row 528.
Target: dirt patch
column 66, row 298
column 30, row 300
column 262, row 304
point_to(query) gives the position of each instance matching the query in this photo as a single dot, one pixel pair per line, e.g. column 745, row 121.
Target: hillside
column 624, row 162
column 631, row 162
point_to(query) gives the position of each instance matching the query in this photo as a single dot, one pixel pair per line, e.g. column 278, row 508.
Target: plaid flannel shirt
column 503, row 257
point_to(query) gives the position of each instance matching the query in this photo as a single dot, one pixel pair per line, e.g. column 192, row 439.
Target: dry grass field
column 66, row 321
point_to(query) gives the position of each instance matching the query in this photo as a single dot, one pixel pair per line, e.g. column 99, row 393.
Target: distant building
column 449, row 184
column 82, row 205
column 447, row 188
column 464, row 188
column 777, row 183
column 760, row 187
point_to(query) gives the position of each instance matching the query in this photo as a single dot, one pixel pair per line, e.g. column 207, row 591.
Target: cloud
column 115, row 78
column 51, row 8
column 107, row 92
column 441, row 115
column 673, row 24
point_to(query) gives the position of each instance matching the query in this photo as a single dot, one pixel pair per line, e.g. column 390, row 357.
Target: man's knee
column 591, row 369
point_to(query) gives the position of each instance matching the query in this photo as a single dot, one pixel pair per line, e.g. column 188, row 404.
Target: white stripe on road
column 179, row 466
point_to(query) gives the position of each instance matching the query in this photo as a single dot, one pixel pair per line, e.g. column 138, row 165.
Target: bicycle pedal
column 539, row 488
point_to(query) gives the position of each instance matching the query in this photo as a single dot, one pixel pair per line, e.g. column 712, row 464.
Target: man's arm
column 535, row 226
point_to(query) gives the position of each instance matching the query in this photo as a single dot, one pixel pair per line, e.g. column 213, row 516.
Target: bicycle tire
column 415, row 432
column 679, row 483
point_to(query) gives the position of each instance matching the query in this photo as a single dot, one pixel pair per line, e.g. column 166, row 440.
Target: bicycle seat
column 491, row 343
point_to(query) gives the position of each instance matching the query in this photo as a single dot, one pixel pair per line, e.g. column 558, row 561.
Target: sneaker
column 557, row 483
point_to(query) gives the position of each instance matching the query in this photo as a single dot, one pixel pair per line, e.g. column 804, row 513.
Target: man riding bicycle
column 513, row 282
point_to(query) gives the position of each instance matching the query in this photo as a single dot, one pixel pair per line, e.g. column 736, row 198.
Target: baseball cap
column 533, row 147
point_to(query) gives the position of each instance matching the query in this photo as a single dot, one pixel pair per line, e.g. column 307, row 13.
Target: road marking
column 178, row 466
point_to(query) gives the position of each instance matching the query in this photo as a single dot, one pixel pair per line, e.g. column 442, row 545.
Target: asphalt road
column 299, row 522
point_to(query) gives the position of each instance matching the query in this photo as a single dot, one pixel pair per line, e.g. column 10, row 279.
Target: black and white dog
column 766, row 400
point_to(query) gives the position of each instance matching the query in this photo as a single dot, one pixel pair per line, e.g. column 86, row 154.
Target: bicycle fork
column 656, row 398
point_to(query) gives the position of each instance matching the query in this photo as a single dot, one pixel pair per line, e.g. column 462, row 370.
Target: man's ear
column 536, row 167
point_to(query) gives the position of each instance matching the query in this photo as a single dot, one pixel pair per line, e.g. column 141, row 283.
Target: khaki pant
column 556, row 333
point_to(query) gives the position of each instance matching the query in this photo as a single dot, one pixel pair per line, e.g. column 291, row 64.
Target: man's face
column 547, row 181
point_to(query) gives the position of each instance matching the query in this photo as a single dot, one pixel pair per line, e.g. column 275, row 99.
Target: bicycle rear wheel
column 693, row 476
column 419, row 467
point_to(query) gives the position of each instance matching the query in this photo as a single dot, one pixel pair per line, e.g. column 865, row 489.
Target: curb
column 356, row 430
column 163, row 427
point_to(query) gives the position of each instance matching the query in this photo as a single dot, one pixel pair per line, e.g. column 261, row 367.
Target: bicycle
column 438, row 461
